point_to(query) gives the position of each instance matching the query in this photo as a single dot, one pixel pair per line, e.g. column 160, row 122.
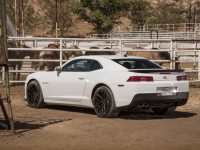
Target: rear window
column 137, row 63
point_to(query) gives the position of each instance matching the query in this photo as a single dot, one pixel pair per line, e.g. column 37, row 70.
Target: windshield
column 137, row 64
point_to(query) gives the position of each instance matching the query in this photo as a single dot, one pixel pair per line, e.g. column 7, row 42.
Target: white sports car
column 109, row 84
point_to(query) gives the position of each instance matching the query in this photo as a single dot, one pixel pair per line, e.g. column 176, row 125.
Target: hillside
column 81, row 28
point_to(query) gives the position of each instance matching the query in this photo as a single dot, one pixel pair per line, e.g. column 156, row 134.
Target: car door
column 68, row 84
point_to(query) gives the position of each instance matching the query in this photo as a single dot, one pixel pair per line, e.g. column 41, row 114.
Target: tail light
column 181, row 78
column 140, row 79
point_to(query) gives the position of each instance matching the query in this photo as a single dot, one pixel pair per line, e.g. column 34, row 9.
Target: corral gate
column 187, row 51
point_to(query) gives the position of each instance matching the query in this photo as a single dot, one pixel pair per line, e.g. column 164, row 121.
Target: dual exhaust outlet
column 143, row 105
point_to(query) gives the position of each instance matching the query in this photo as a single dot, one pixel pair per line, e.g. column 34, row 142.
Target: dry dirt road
column 71, row 128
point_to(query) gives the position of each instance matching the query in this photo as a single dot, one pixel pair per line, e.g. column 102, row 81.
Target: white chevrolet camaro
column 109, row 84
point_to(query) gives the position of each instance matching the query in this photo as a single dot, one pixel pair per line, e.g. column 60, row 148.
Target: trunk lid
column 159, row 74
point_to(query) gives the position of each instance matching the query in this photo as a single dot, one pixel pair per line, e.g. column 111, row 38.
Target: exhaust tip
column 143, row 105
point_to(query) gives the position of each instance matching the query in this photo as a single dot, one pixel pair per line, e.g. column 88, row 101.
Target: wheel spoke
column 101, row 102
column 33, row 94
column 98, row 96
column 104, row 103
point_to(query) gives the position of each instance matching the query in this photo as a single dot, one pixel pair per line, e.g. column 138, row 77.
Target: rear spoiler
column 154, row 70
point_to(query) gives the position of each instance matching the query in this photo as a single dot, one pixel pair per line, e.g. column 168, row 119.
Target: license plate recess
column 166, row 91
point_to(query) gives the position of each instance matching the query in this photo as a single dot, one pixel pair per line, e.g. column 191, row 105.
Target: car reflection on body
column 109, row 84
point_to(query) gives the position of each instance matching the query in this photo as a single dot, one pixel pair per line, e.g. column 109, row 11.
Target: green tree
column 102, row 14
column 32, row 18
column 10, row 10
column 58, row 11
column 166, row 12
column 140, row 12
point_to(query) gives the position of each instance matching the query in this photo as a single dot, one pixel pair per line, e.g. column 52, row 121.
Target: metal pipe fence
column 147, row 35
column 187, row 51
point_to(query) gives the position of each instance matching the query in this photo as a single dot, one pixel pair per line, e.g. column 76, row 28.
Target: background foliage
column 103, row 15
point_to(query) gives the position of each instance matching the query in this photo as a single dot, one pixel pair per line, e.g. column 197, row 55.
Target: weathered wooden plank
column 2, row 39
column 5, row 113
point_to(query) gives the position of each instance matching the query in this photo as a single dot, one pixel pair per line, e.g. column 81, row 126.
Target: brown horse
column 18, row 54
column 152, row 55
column 99, row 52
column 68, row 54
column 49, row 55
column 52, row 55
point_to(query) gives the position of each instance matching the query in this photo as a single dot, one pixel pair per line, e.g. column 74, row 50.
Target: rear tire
column 34, row 95
column 104, row 103
column 163, row 110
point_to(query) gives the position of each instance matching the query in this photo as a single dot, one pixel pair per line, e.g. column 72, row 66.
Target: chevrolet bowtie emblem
column 165, row 77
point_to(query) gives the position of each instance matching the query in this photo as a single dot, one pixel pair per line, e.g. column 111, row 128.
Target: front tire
column 163, row 110
column 34, row 95
column 104, row 103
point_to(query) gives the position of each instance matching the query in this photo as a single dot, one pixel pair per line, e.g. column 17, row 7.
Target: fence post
column 120, row 46
column 196, row 46
column 174, row 56
column 35, row 43
column 60, row 48
column 171, row 50
column 199, row 65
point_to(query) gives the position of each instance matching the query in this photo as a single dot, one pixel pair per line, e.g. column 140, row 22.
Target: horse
column 68, row 54
column 51, row 55
column 99, row 52
column 152, row 55
column 17, row 65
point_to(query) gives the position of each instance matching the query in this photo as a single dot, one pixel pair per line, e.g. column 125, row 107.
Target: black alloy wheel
column 34, row 95
column 104, row 103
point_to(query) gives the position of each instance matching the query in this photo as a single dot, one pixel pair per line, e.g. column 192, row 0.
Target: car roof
column 106, row 60
column 122, row 57
column 110, row 57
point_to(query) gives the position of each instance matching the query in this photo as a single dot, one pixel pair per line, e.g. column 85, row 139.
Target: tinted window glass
column 137, row 63
column 78, row 66
column 95, row 66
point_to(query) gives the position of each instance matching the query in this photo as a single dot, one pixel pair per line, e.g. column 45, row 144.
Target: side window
column 95, row 66
column 78, row 66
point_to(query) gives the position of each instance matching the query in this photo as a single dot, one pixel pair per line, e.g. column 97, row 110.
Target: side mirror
column 58, row 68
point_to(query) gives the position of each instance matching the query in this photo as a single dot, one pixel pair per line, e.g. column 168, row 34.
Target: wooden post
column 198, row 65
column 5, row 113
column 56, row 19
column 16, row 26
column 22, row 18
column 4, row 62
column 171, row 52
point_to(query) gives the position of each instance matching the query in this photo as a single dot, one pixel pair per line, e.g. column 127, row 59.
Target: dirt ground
column 72, row 128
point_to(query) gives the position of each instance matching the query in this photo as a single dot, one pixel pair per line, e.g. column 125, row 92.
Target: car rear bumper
column 153, row 100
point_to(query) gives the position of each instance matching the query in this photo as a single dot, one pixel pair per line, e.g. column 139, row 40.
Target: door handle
column 81, row 78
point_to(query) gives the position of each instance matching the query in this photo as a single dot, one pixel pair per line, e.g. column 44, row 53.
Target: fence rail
column 180, row 27
column 152, row 31
column 147, row 35
column 187, row 51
